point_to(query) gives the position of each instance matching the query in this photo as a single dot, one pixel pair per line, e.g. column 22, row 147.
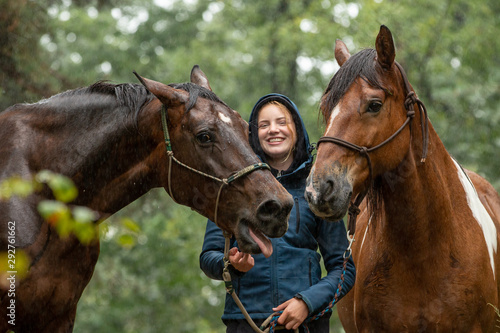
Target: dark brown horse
column 426, row 239
column 109, row 140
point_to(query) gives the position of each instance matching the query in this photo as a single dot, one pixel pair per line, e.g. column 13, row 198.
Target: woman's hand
column 241, row 261
column 295, row 311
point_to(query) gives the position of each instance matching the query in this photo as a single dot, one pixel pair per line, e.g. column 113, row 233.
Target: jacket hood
column 302, row 156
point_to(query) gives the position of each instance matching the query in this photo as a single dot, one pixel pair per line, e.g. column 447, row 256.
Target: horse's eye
column 374, row 107
column 204, row 137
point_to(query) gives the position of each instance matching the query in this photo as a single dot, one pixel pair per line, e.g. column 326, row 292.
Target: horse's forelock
column 361, row 64
column 196, row 91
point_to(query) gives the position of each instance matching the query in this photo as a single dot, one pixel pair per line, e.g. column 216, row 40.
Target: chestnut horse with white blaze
column 426, row 242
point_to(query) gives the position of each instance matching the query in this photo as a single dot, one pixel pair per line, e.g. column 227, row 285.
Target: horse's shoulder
column 27, row 222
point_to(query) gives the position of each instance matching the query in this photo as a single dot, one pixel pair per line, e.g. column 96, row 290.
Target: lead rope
column 230, row 290
column 347, row 254
column 272, row 320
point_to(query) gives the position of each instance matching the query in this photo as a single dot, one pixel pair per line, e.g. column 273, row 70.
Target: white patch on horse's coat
column 481, row 215
column 334, row 114
column 224, row 118
column 360, row 249
column 310, row 188
column 366, row 231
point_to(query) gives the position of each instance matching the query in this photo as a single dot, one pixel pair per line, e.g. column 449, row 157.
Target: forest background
column 148, row 277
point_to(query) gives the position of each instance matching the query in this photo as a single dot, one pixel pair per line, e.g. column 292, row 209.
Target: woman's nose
column 273, row 128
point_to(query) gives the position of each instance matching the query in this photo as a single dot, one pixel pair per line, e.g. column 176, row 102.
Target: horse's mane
column 361, row 64
column 128, row 95
column 134, row 96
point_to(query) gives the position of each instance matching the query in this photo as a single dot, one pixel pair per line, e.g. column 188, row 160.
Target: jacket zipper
column 297, row 215
column 310, row 272
column 274, row 277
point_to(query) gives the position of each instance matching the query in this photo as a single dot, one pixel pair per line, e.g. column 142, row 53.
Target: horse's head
column 363, row 107
column 210, row 140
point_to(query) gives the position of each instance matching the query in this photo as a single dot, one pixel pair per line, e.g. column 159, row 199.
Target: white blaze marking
column 334, row 114
column 224, row 118
column 310, row 188
column 481, row 215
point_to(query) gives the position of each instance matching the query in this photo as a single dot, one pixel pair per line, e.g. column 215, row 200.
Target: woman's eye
column 374, row 107
column 204, row 138
column 263, row 125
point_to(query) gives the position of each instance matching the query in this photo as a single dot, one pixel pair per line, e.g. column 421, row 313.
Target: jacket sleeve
column 332, row 241
column 212, row 253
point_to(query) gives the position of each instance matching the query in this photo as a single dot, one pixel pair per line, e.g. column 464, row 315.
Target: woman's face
column 277, row 135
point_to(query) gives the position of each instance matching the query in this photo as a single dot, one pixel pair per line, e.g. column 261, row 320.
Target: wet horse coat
column 426, row 248
column 109, row 140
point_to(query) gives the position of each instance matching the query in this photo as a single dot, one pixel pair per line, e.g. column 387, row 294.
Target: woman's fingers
column 241, row 261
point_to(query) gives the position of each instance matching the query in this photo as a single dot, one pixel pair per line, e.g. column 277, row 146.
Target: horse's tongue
column 264, row 243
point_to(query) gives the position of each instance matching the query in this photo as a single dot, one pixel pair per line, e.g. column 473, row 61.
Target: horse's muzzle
column 328, row 195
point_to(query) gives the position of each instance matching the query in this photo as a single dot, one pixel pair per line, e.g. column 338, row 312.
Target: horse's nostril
column 268, row 210
column 328, row 190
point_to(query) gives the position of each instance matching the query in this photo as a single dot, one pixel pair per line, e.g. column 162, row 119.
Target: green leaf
column 50, row 208
column 62, row 187
column 85, row 232
column 126, row 241
column 16, row 186
column 84, row 214
column 130, row 224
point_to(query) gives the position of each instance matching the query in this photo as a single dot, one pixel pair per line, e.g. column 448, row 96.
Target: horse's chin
column 252, row 240
column 329, row 214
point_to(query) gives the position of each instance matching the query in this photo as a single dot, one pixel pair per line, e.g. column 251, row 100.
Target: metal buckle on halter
column 348, row 251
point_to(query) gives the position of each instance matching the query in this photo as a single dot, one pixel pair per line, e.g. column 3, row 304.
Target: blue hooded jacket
column 293, row 270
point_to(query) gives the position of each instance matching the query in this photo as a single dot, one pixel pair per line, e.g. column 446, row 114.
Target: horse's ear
column 341, row 52
column 166, row 94
column 385, row 48
column 199, row 78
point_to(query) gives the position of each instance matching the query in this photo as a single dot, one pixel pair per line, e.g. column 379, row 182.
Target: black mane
column 132, row 96
column 361, row 64
column 135, row 96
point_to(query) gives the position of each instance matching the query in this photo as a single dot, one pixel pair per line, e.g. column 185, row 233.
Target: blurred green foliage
column 147, row 278
column 66, row 219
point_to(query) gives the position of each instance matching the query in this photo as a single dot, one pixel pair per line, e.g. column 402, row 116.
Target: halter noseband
column 223, row 181
column 409, row 102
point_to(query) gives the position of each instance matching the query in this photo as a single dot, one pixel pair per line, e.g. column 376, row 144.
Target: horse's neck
column 121, row 167
column 418, row 201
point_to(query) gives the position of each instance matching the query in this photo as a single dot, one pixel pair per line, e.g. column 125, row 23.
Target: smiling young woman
column 289, row 280
column 277, row 134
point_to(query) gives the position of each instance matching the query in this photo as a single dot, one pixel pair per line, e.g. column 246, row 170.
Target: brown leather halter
column 410, row 100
